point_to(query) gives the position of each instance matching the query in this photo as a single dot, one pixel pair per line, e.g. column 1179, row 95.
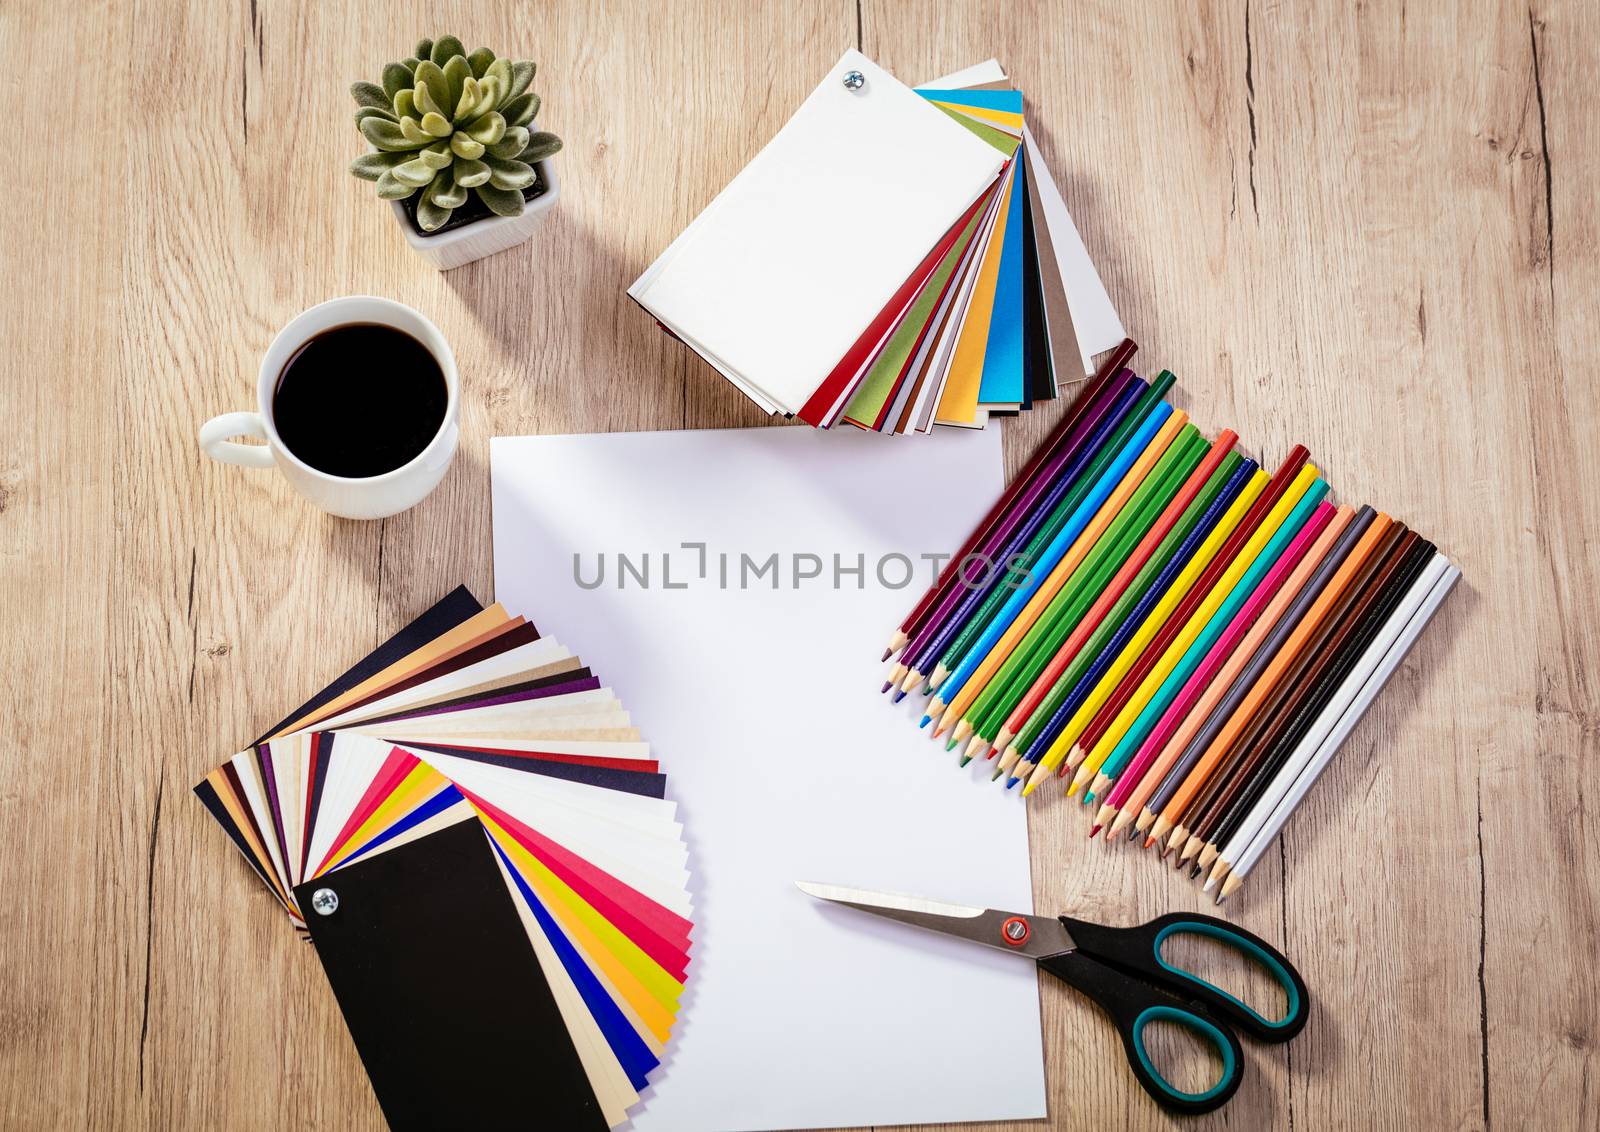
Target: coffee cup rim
column 293, row 335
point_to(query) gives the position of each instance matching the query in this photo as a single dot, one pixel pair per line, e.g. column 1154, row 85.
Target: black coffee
column 359, row 400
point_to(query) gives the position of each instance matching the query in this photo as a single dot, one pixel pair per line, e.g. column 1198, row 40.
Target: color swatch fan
column 478, row 843
column 894, row 259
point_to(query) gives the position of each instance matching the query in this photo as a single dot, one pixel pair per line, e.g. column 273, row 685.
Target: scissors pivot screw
column 1015, row 931
column 854, row 80
column 325, row 901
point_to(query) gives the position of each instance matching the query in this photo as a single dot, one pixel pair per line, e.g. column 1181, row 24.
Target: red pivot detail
column 1015, row 931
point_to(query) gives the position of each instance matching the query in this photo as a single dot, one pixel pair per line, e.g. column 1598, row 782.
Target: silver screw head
column 1016, row 929
column 854, row 80
column 325, row 901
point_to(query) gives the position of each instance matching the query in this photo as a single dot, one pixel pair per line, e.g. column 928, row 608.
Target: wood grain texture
column 1370, row 228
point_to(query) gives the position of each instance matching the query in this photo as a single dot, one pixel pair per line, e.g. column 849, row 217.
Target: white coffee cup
column 371, row 497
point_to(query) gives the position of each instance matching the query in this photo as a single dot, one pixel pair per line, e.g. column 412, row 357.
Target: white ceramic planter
column 485, row 237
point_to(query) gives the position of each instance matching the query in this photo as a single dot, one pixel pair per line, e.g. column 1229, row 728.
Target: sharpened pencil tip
column 1194, row 873
column 1093, row 831
column 1148, row 841
column 927, row 719
column 887, row 684
column 887, row 653
column 1072, row 788
column 1211, row 882
column 899, row 695
column 965, row 758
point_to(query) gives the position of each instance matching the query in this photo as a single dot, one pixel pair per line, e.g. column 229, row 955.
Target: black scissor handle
column 1133, row 1004
column 1138, row 950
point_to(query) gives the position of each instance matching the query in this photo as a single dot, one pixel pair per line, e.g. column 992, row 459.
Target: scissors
column 1123, row 971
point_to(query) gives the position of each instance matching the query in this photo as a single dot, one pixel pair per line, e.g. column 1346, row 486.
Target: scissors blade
column 1037, row 937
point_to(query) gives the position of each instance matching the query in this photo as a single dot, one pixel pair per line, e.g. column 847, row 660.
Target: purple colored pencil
column 1026, row 504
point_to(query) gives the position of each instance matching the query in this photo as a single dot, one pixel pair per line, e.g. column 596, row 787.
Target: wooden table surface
column 1369, row 227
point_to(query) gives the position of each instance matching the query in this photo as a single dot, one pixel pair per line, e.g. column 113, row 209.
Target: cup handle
column 214, row 440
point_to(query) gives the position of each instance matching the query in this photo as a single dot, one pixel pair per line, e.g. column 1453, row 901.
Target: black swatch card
column 443, row 993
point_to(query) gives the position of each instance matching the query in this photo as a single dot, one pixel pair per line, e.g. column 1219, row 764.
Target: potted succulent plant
column 456, row 150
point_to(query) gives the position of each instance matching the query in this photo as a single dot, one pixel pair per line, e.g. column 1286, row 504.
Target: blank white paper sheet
column 760, row 695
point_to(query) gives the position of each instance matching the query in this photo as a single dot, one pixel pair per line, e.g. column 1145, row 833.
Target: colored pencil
column 1210, row 617
column 1234, row 801
column 983, row 533
column 1363, row 685
column 1051, row 480
column 1065, row 611
column 1038, row 730
column 1119, row 696
column 1169, row 739
column 1134, row 754
column 1125, row 577
column 1183, row 637
column 1404, row 552
column 1174, row 803
column 1064, row 569
column 1052, row 555
column 973, row 617
column 1062, row 731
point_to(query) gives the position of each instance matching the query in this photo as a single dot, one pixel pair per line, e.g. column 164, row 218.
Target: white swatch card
column 782, row 273
column 758, row 685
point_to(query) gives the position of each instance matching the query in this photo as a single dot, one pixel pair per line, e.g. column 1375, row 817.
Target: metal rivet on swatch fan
column 325, row 901
column 854, row 80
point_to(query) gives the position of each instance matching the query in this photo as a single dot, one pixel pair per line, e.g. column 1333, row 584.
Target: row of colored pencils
column 1150, row 614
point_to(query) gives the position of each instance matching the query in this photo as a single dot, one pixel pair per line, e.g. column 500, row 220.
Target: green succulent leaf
column 374, row 112
column 521, row 78
column 471, row 93
column 422, row 98
column 437, row 125
column 501, row 202
column 488, row 129
column 480, row 60
column 541, row 145
column 445, row 192
column 489, row 88
column 396, row 77
column 500, row 72
column 431, row 217
column 369, row 94
column 387, row 135
column 508, row 174
column 405, row 104
column 410, row 63
column 519, row 111
column 445, row 48
column 456, row 73
column 391, row 188
column 431, row 75
column 512, row 145
column 464, row 147
column 415, row 173
column 423, row 50
column 412, row 131
column 371, row 166
column 438, row 155
column 472, row 173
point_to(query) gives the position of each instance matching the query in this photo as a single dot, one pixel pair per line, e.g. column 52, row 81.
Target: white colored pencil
column 1336, row 721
